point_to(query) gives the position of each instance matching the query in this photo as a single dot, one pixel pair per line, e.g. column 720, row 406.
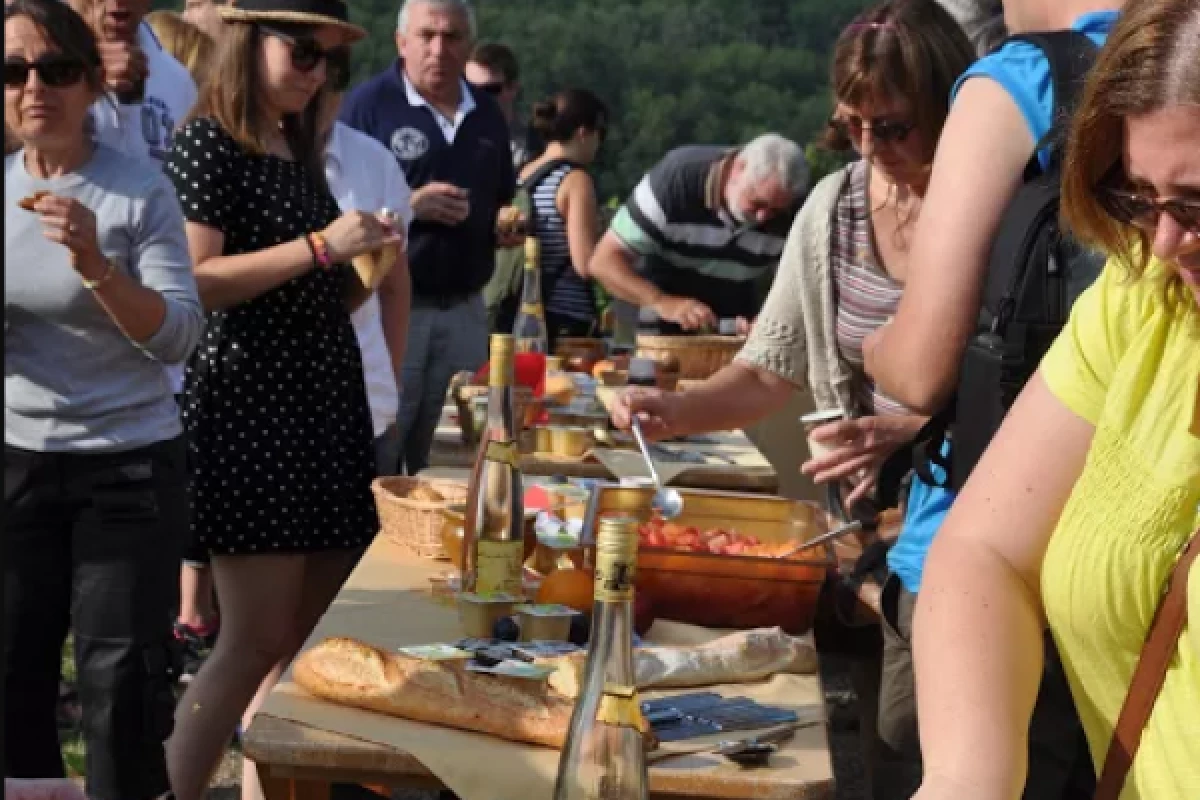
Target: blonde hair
column 1151, row 62
column 191, row 46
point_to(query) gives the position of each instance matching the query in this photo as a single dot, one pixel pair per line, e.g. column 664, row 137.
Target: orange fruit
column 568, row 587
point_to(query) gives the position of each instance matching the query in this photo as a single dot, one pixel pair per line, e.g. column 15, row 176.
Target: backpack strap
column 1161, row 643
column 1071, row 55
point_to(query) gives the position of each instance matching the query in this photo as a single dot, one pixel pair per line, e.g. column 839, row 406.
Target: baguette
column 743, row 657
column 349, row 672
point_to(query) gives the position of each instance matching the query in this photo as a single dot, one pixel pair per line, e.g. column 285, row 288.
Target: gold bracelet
column 110, row 269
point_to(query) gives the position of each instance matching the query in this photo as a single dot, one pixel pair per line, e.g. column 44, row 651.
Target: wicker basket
column 412, row 523
column 698, row 356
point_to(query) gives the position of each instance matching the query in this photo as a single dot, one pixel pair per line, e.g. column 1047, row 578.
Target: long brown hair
column 232, row 97
column 907, row 49
column 1151, row 62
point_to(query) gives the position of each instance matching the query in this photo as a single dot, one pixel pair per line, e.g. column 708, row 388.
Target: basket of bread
column 411, row 511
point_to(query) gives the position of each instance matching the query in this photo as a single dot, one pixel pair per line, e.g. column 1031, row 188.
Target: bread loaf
column 742, row 657
column 349, row 672
column 373, row 267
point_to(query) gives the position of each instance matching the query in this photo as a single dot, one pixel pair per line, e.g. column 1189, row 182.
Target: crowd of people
column 200, row 389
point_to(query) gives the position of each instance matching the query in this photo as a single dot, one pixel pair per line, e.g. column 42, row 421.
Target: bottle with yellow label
column 530, row 327
column 604, row 757
column 493, row 541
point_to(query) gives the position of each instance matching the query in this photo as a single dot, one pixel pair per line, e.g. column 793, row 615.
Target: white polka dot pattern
column 276, row 410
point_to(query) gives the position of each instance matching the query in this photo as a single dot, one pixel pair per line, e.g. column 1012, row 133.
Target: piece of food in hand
column 425, row 494
column 439, row 692
column 373, row 267
column 510, row 221
column 28, row 203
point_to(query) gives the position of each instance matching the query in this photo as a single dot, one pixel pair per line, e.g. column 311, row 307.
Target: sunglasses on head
column 496, row 88
column 54, row 71
column 1129, row 207
column 883, row 131
column 307, row 53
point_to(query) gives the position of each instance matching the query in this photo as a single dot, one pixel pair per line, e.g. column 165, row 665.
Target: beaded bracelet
column 320, row 250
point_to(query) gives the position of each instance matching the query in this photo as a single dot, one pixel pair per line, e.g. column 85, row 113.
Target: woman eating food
column 98, row 297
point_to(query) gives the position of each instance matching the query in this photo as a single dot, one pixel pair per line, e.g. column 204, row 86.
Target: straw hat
column 301, row 12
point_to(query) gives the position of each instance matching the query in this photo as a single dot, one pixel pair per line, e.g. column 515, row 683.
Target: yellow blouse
column 1131, row 367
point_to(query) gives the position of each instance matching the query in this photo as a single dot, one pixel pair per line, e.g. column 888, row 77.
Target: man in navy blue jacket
column 452, row 142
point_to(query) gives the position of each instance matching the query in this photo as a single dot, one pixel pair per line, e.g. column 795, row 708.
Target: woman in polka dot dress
column 276, row 411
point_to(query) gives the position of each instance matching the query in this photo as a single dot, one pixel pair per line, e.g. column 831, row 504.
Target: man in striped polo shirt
column 708, row 225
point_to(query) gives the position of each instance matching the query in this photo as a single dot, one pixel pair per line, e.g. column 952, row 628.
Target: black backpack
column 1035, row 274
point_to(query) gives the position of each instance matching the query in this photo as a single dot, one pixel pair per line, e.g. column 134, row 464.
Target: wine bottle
column 530, row 326
column 604, row 757
column 494, row 537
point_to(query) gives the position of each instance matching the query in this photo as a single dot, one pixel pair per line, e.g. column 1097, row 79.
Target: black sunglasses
column 495, row 89
column 883, row 131
column 54, row 71
column 307, row 53
column 1132, row 208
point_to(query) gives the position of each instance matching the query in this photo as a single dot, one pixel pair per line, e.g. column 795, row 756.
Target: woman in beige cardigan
column 843, row 268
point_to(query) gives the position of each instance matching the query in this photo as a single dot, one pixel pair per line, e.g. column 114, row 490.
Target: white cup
column 815, row 420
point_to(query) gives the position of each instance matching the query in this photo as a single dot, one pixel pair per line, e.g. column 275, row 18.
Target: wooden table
column 299, row 762
column 731, row 461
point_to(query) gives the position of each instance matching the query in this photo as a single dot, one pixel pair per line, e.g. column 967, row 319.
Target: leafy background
column 673, row 72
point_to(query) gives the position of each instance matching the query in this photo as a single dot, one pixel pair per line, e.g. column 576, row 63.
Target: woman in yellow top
column 1088, row 494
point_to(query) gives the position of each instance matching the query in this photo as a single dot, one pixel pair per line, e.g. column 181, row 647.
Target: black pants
column 93, row 545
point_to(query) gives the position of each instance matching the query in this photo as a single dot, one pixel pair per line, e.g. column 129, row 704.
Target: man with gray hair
column 709, row 225
column 452, row 143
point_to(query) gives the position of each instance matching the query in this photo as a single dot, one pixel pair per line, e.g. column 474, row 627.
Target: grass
column 73, row 750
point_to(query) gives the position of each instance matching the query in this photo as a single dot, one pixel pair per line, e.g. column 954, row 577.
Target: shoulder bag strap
column 1161, row 644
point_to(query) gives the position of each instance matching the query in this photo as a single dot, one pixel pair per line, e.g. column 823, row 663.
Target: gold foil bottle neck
column 500, row 370
column 616, row 559
column 533, row 252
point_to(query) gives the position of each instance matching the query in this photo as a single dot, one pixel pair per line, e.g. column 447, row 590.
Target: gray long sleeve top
column 72, row 380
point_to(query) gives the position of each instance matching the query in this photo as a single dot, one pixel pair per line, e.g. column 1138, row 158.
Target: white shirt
column 364, row 176
column 449, row 127
column 144, row 130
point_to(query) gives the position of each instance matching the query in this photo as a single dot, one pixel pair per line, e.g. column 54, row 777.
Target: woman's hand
column 656, row 410
column 859, row 449
column 358, row 232
column 68, row 222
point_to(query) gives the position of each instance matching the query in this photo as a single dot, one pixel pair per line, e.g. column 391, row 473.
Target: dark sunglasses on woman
column 54, row 71
column 883, row 131
column 307, row 53
column 1128, row 207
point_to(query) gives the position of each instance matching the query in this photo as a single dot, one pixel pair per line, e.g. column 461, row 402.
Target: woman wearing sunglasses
column 844, row 265
column 98, row 296
column 1086, row 497
column 275, row 407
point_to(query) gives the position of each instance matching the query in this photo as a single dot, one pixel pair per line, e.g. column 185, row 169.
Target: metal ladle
column 667, row 503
